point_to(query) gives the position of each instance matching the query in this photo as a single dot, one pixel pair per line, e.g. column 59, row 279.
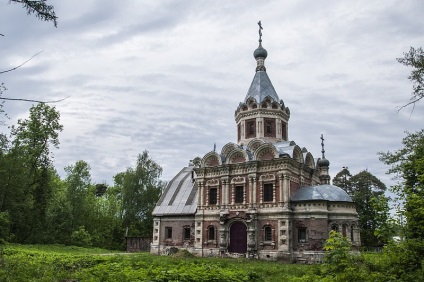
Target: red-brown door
column 238, row 238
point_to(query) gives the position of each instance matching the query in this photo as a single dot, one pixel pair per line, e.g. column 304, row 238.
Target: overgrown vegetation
column 39, row 207
column 55, row 263
column 397, row 262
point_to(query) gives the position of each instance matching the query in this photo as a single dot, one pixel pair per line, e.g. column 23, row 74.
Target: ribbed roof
column 261, row 87
column 179, row 196
column 321, row 192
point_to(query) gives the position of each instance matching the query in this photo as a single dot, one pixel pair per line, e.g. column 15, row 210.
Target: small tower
column 262, row 115
column 323, row 164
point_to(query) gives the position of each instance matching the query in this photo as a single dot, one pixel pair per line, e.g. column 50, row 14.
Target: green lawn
column 60, row 263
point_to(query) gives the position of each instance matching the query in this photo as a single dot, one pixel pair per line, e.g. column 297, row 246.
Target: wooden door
column 238, row 238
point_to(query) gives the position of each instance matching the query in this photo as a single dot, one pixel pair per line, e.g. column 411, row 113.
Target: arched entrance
column 238, row 238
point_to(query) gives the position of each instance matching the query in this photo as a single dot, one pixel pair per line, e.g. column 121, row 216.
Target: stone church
column 263, row 197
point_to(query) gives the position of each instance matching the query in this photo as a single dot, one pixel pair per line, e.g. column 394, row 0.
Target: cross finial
column 322, row 145
column 260, row 31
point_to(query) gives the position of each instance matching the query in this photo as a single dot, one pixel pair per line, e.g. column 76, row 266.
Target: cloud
column 167, row 76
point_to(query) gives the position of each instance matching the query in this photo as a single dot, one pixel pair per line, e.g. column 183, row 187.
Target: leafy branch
column 40, row 9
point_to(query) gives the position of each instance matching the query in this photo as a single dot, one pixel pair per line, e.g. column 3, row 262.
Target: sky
column 167, row 76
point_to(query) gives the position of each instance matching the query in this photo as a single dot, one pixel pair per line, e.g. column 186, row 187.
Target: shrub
column 81, row 238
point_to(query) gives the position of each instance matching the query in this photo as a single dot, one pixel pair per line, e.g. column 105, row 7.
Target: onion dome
column 260, row 52
column 323, row 163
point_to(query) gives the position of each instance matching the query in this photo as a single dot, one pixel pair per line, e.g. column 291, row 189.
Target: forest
column 38, row 207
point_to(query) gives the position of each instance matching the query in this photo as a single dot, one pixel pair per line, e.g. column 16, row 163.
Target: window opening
column 268, row 192
column 268, row 233
column 211, row 233
column 301, row 235
column 239, row 194
column 335, row 227
column 187, row 233
column 168, row 232
column 344, row 230
column 213, row 196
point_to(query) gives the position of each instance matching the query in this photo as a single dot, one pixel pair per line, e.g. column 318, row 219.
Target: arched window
column 351, row 233
column 211, row 232
column 335, row 227
column 344, row 230
column 250, row 128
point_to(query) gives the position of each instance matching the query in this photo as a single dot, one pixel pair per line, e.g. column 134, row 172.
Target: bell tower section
column 262, row 115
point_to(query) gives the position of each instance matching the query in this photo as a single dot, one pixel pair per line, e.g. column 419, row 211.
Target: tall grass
column 59, row 263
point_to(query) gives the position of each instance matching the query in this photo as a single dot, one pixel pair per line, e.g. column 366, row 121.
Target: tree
column 39, row 8
column 407, row 164
column 140, row 188
column 27, row 170
column 342, row 180
column 415, row 59
column 366, row 190
column 78, row 182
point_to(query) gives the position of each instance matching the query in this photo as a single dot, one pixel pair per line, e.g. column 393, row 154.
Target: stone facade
column 263, row 197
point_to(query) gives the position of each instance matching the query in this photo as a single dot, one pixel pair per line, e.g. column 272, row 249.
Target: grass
column 60, row 263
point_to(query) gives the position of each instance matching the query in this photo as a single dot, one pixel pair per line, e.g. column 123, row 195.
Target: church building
column 262, row 197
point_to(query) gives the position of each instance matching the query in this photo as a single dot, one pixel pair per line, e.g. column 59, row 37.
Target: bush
column 81, row 238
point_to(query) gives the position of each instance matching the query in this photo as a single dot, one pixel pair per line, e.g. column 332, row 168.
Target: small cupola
column 323, row 164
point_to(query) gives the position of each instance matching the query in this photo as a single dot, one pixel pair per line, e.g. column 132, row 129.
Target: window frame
column 301, row 235
column 211, row 231
column 185, row 229
column 268, row 233
column 269, row 127
column 268, row 192
column 213, row 200
column 168, row 232
column 239, row 194
column 250, row 128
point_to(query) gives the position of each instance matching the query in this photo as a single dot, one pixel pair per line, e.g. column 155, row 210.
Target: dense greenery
column 407, row 164
column 367, row 191
column 37, row 206
column 59, row 263
column 54, row 263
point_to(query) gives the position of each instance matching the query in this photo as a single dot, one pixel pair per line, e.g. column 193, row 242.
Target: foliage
column 78, row 182
column 384, row 225
column 415, row 59
column 338, row 259
column 343, row 180
column 81, row 238
column 26, row 170
column 140, row 190
column 407, row 164
column 40, row 9
column 55, row 263
column 4, row 227
column 367, row 191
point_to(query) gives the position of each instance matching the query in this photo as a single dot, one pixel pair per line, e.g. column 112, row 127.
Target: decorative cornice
column 262, row 112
